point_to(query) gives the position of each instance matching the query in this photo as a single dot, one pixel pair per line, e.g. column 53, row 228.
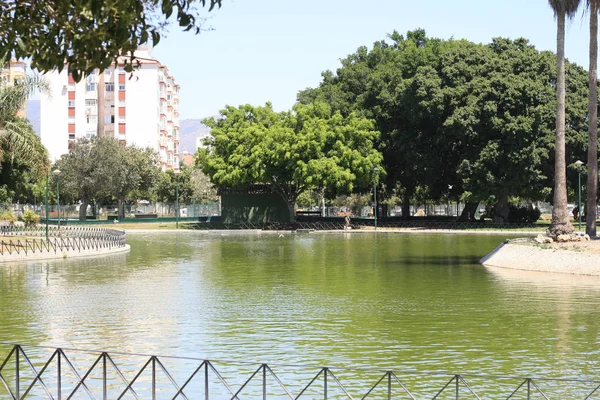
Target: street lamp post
column 47, row 178
column 56, row 173
column 375, row 170
column 578, row 164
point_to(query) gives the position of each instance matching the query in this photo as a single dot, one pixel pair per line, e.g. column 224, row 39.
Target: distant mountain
column 33, row 114
column 190, row 130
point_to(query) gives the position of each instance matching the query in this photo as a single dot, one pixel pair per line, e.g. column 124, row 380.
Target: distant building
column 188, row 159
column 142, row 109
column 12, row 73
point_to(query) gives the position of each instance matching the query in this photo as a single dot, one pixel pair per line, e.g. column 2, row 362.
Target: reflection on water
column 407, row 302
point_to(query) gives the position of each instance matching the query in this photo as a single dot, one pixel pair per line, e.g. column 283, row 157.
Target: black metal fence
column 359, row 223
column 23, row 240
column 35, row 372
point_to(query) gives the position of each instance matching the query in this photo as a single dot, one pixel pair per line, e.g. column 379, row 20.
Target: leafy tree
column 88, row 34
column 132, row 171
column 475, row 118
column 203, row 191
column 563, row 9
column 306, row 148
column 82, row 175
column 103, row 167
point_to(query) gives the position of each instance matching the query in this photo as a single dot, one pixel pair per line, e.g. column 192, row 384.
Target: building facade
column 140, row 109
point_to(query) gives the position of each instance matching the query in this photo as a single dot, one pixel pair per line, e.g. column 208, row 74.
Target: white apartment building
column 140, row 109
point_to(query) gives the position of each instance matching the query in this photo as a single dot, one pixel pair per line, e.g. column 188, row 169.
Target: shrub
column 523, row 214
column 8, row 215
column 30, row 218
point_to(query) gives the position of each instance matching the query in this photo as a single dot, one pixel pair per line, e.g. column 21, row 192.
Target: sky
column 268, row 50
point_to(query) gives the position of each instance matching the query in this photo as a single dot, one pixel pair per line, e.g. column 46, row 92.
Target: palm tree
column 563, row 9
column 17, row 137
column 592, row 177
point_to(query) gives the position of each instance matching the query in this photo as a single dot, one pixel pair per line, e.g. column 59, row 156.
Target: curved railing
column 32, row 240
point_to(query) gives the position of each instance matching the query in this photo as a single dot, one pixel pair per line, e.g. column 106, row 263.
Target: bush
column 8, row 215
column 30, row 218
column 523, row 214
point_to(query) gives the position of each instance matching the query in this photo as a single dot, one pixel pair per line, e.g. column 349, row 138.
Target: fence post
column 389, row 385
column 264, row 368
column 206, row 380
column 325, row 383
column 457, row 389
column 153, row 378
column 528, row 388
column 59, row 376
column 104, row 379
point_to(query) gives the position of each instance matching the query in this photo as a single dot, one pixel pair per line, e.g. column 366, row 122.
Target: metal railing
column 23, row 240
column 61, row 373
column 358, row 223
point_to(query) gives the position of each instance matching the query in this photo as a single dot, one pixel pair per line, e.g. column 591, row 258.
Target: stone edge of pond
column 528, row 257
column 7, row 258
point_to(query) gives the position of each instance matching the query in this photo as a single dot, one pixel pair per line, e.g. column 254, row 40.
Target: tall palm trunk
column 560, row 215
column 592, row 178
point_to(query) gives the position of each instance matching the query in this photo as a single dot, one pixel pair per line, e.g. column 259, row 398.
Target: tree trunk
column 468, row 213
column 592, row 177
column 502, row 209
column 560, row 213
column 83, row 209
column 406, row 206
column 121, row 206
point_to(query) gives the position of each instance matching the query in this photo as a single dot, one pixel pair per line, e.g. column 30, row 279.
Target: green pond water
column 408, row 303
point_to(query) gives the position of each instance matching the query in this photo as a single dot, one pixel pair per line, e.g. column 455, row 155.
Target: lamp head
column 56, row 172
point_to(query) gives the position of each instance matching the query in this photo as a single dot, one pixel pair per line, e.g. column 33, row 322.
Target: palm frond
column 18, row 139
column 565, row 7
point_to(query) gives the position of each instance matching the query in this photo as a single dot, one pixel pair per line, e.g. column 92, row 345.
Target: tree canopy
column 453, row 114
column 101, row 166
column 308, row 147
column 87, row 34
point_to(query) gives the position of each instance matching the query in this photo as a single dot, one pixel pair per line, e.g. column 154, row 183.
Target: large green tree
column 308, row 147
column 563, row 9
column 103, row 167
column 478, row 119
column 87, row 34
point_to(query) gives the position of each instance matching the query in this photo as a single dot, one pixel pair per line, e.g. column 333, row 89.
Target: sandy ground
column 593, row 246
column 579, row 258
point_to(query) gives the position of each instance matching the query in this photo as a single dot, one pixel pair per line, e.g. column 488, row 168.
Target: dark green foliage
column 89, row 34
column 479, row 119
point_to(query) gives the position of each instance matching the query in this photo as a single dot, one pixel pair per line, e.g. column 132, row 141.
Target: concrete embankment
column 565, row 259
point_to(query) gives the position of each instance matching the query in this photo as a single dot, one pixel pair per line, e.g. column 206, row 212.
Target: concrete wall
column 254, row 208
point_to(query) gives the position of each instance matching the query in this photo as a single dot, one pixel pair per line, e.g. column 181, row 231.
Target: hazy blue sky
column 267, row 50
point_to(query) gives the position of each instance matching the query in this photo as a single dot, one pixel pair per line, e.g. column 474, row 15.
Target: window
column 71, row 136
column 121, row 87
column 90, row 87
column 90, row 102
column 121, row 103
column 109, row 119
column 121, row 119
column 90, row 134
column 71, row 103
column 91, row 119
column 71, row 87
column 72, row 120
column 109, row 87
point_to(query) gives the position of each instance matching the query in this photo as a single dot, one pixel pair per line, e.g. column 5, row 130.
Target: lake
column 405, row 302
